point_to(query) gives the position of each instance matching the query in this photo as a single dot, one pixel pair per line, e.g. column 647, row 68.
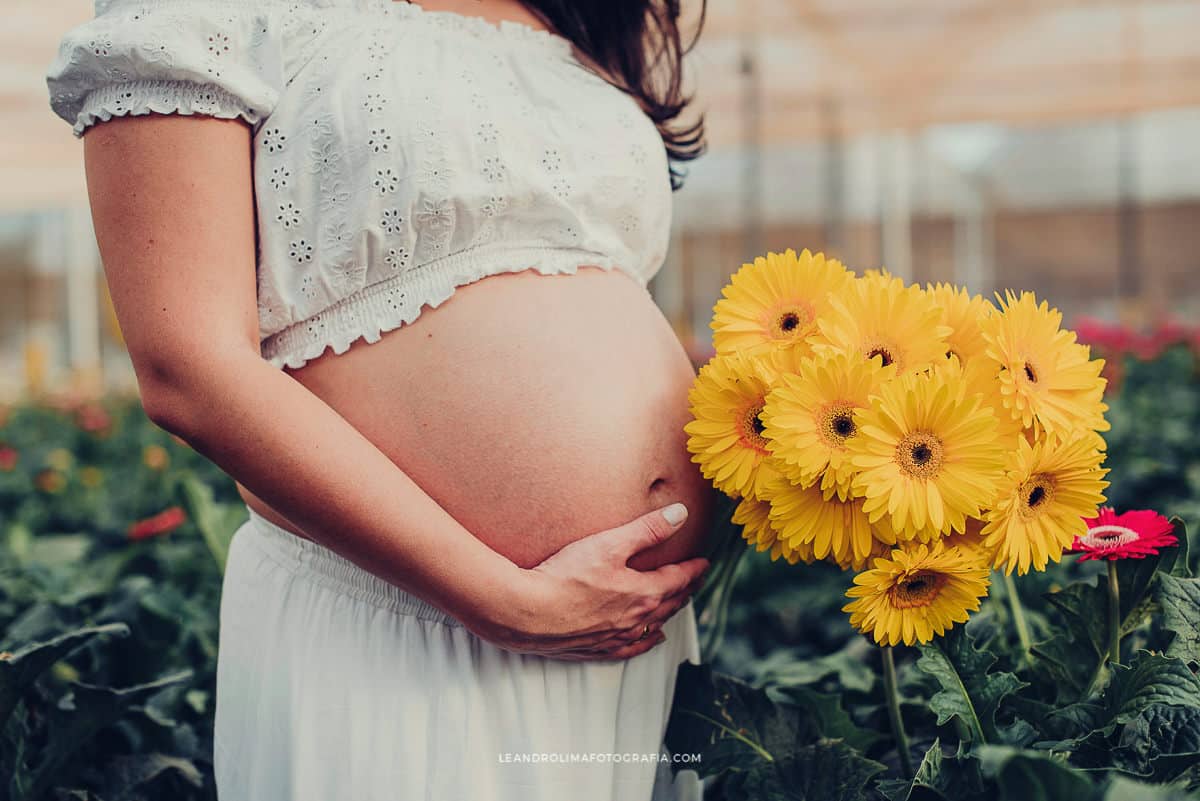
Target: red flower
column 1132, row 535
column 93, row 418
column 8, row 458
column 165, row 521
column 1110, row 338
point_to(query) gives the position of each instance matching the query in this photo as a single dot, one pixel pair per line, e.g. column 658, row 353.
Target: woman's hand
column 586, row 603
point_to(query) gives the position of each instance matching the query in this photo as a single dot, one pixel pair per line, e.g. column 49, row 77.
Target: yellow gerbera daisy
column 962, row 313
column 811, row 415
column 971, row 540
column 1049, row 490
column 776, row 301
column 913, row 595
column 928, row 454
column 832, row 529
column 753, row 516
column 882, row 319
column 726, row 435
column 1047, row 379
column 982, row 378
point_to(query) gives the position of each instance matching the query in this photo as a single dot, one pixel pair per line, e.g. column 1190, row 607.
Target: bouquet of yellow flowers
column 920, row 436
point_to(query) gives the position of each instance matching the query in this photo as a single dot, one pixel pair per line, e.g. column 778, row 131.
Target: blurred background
column 1051, row 145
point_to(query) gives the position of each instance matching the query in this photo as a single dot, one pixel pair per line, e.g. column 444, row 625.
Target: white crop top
column 398, row 153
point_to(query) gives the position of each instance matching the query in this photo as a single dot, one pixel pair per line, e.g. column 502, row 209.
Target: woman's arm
column 172, row 200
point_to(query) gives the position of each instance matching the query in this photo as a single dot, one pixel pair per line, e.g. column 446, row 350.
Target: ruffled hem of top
column 160, row 97
column 381, row 307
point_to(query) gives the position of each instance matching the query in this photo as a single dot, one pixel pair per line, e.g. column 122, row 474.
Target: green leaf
column 1149, row 679
column 1160, row 742
column 830, row 718
column 968, row 690
column 1136, row 576
column 733, row 725
column 217, row 522
column 949, row 778
column 1022, row 775
column 1181, row 568
column 824, row 771
column 1072, row 657
column 126, row 774
column 1122, row 789
column 1084, row 605
column 86, row 711
column 1179, row 598
column 58, row 550
column 20, row 669
column 1073, row 721
column 847, row 666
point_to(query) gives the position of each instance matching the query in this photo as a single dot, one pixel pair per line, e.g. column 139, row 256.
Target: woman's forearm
column 289, row 448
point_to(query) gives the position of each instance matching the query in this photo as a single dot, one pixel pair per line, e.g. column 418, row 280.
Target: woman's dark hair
column 638, row 46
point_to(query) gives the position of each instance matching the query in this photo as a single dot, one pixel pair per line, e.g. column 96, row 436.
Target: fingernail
column 675, row 514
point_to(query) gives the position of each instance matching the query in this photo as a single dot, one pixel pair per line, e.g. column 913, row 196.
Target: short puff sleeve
column 219, row 58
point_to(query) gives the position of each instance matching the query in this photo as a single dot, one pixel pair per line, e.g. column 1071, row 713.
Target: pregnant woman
column 386, row 265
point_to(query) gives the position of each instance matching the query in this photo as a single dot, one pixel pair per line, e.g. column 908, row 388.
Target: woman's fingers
column 647, row 531
column 651, row 623
column 615, row 654
column 674, row 578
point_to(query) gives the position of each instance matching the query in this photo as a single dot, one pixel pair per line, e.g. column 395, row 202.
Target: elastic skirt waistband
column 317, row 563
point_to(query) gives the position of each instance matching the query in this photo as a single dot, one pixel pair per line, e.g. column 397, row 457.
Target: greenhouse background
column 1049, row 145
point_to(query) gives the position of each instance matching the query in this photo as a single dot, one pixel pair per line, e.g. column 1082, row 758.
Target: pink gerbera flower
column 1132, row 535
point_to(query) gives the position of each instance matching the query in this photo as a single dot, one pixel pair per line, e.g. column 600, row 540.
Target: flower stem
column 1018, row 616
column 1114, row 614
column 715, row 613
column 893, row 704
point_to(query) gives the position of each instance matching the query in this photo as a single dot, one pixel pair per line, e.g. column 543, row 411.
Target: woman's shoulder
column 224, row 58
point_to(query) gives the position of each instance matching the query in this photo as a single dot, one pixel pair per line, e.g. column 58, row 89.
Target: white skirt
column 333, row 685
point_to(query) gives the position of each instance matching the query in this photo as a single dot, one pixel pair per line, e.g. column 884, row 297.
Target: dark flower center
column 843, row 424
column 791, row 322
column 883, row 353
column 920, row 589
column 836, row 421
column 1036, row 493
column 919, row 455
column 1030, row 373
column 753, row 428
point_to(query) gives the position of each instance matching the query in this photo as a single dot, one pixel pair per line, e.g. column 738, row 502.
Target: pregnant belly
column 535, row 409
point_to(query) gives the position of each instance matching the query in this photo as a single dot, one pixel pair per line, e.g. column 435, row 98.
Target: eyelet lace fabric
column 399, row 153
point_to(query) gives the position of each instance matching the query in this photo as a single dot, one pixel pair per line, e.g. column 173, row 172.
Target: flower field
column 1074, row 675
column 112, row 538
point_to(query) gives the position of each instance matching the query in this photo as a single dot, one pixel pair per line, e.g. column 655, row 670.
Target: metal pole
column 896, row 225
column 752, row 137
column 83, row 302
column 835, row 180
column 1129, row 279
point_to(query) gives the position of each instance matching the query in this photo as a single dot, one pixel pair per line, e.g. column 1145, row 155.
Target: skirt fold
column 333, row 685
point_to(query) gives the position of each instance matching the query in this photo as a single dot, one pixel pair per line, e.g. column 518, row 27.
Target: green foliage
column 107, row 645
column 763, row 748
column 970, row 690
column 987, row 722
column 1179, row 599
